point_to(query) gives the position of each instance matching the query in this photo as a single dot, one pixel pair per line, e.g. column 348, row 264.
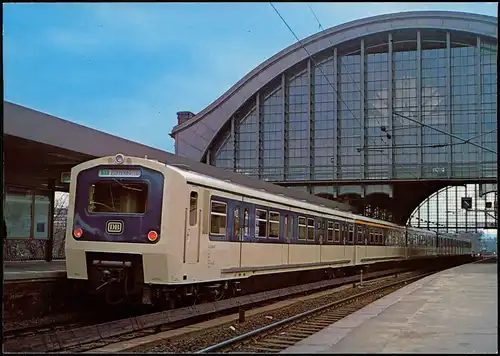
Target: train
column 154, row 233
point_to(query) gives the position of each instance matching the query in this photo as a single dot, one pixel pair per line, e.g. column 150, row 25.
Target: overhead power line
column 446, row 133
column 316, row 65
column 338, row 94
column 328, row 81
column 400, row 115
column 404, row 116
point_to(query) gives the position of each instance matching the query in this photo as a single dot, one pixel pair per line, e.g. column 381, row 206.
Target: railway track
column 92, row 336
column 36, row 328
column 199, row 336
column 280, row 335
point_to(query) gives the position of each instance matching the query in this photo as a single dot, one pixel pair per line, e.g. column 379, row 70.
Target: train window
column 291, row 226
column 337, row 232
column 351, row 234
column 310, row 229
column 360, row 234
column 218, row 218
column 236, row 220
column 302, row 228
column 193, row 208
column 274, row 224
column 260, row 223
column 246, row 225
column 330, row 232
column 112, row 196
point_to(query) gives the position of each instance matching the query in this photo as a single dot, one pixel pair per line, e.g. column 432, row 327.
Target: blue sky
column 126, row 69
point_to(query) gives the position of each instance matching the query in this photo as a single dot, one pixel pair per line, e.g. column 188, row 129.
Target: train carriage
column 153, row 230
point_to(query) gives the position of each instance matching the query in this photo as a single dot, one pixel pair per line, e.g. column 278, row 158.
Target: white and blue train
column 154, row 232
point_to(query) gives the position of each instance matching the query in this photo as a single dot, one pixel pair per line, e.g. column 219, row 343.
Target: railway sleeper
column 264, row 349
column 278, row 341
column 291, row 337
column 271, row 344
column 291, row 334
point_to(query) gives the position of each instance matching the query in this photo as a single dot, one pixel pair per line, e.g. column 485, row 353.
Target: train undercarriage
column 117, row 279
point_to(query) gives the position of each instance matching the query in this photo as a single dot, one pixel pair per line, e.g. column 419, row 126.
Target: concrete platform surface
column 454, row 311
column 34, row 270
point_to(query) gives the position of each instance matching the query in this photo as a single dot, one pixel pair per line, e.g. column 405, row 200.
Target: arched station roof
column 194, row 136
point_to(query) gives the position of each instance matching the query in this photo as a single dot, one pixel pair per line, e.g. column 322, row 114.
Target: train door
column 368, row 235
column 358, row 243
column 321, row 237
column 241, row 225
column 288, row 229
column 193, row 228
column 343, row 235
column 352, row 242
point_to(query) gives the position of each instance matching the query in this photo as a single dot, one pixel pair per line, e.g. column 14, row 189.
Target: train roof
column 232, row 187
column 184, row 163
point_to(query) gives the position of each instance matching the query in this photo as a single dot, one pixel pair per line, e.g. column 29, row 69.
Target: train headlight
column 119, row 158
column 152, row 236
column 77, row 232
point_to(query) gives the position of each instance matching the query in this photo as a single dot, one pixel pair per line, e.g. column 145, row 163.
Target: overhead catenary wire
column 336, row 91
column 316, row 65
column 400, row 115
column 328, row 80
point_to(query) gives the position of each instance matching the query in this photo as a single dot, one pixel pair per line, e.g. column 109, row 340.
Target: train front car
column 114, row 226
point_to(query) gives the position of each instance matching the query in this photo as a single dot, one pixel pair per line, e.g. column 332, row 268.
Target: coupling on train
column 144, row 231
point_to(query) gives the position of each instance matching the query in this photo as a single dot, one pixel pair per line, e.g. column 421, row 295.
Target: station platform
column 33, row 270
column 453, row 311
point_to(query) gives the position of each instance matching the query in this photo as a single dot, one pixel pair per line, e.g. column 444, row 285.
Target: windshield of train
column 113, row 196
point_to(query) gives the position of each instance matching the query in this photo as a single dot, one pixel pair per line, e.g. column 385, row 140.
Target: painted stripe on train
column 288, row 266
column 361, row 222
